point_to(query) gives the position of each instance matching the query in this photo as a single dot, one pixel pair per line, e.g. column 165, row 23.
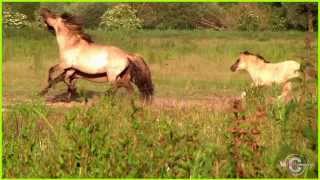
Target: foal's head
column 65, row 24
column 245, row 59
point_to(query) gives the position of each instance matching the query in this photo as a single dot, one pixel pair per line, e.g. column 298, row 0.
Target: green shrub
column 248, row 21
column 120, row 17
column 278, row 23
column 14, row 19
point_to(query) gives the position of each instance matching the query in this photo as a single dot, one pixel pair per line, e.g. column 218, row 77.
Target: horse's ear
column 246, row 52
column 66, row 16
column 45, row 12
column 72, row 19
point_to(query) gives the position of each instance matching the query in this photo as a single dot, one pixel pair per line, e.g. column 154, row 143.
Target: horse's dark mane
column 257, row 55
column 74, row 24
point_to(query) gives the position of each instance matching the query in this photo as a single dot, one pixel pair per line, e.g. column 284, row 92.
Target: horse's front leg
column 53, row 80
column 286, row 93
column 70, row 80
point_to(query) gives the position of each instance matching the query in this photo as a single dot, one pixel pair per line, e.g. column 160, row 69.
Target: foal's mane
column 74, row 24
column 257, row 55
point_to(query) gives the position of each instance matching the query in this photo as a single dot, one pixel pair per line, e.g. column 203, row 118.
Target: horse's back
column 96, row 58
column 290, row 63
column 278, row 72
column 116, row 60
column 290, row 68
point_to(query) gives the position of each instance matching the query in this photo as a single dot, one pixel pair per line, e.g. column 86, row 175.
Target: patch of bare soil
column 212, row 103
column 61, row 100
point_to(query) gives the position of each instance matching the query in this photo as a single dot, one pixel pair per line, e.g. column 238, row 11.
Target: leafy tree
column 299, row 13
column 248, row 21
column 121, row 16
column 276, row 16
column 278, row 20
column 14, row 19
column 90, row 12
column 25, row 8
column 180, row 15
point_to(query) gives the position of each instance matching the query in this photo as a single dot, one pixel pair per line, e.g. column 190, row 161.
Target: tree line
column 274, row 16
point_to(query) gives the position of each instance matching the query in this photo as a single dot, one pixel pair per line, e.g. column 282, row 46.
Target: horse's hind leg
column 122, row 81
column 129, row 88
column 112, row 90
column 127, row 85
column 119, row 84
column 125, row 81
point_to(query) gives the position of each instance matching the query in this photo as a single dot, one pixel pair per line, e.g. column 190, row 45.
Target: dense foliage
column 14, row 19
column 121, row 16
column 217, row 16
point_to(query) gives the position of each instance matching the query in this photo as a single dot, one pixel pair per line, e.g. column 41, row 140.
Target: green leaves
column 121, row 17
column 14, row 19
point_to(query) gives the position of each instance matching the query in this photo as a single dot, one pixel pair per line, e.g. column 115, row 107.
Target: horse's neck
column 254, row 69
column 67, row 42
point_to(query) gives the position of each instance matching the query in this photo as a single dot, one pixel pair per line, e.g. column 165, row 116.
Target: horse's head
column 49, row 18
column 55, row 21
column 64, row 23
column 241, row 62
column 246, row 59
column 234, row 66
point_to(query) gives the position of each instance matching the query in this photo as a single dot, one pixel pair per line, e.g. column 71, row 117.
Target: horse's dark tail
column 141, row 77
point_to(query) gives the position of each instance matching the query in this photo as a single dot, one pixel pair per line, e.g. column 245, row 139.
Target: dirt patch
column 212, row 103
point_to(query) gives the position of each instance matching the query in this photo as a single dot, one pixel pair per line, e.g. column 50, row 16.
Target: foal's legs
column 286, row 93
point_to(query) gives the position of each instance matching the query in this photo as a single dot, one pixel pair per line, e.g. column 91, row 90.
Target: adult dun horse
column 80, row 57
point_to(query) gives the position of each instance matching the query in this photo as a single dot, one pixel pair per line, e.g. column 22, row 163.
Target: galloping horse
column 262, row 72
column 80, row 57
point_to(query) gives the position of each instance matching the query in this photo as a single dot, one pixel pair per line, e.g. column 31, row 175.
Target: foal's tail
column 141, row 77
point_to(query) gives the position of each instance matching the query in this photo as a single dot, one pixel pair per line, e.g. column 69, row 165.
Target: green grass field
column 117, row 137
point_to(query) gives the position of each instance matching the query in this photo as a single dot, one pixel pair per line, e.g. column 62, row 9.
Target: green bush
column 14, row 19
column 120, row 17
column 248, row 21
column 278, row 20
column 278, row 23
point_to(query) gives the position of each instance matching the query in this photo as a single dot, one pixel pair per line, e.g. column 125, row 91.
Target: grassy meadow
column 117, row 137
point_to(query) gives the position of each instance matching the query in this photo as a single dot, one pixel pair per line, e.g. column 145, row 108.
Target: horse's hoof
column 66, row 100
